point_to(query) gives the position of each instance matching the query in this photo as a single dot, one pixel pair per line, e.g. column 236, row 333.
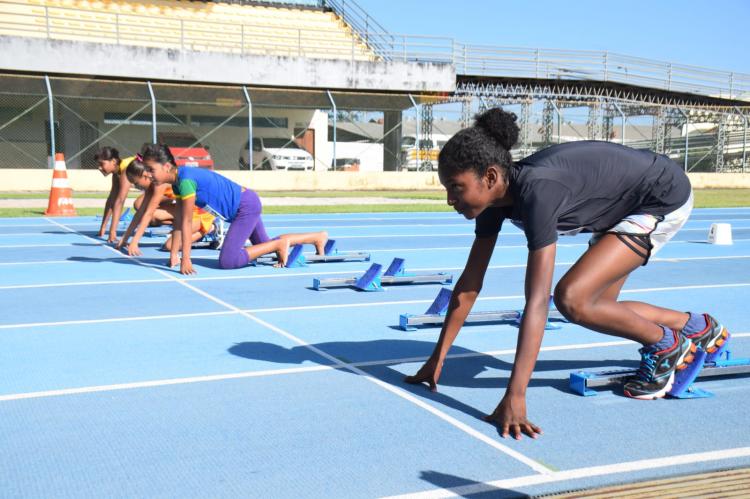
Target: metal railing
column 476, row 60
column 605, row 66
column 371, row 32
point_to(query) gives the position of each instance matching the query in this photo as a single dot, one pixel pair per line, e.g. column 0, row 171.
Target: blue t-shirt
column 213, row 192
column 586, row 186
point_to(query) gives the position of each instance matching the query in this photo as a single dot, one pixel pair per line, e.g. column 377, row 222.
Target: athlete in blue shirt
column 632, row 201
column 226, row 199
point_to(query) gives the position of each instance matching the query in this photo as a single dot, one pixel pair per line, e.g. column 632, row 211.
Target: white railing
column 600, row 66
column 475, row 60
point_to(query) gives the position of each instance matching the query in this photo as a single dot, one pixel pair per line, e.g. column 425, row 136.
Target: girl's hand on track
column 429, row 373
column 134, row 250
column 186, row 267
column 510, row 418
column 173, row 261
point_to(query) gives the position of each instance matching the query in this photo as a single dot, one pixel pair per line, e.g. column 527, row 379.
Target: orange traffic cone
column 61, row 195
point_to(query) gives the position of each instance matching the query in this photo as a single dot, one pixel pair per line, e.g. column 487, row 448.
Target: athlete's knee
column 232, row 258
column 571, row 302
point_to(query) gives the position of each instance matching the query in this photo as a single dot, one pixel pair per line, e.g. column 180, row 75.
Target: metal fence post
column 249, row 128
column 687, row 133
column 559, row 121
column 335, row 123
column 744, row 138
column 153, row 112
column 622, row 141
column 416, row 143
column 731, row 84
column 52, row 145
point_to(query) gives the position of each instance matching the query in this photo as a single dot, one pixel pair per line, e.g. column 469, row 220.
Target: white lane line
column 538, row 467
column 44, row 226
column 276, row 372
column 386, row 236
column 27, row 234
column 384, row 217
column 339, row 306
column 578, row 473
column 310, row 274
column 155, row 383
column 410, row 222
column 113, row 319
column 293, row 274
column 416, row 224
column 691, row 286
column 299, row 370
column 504, row 233
column 279, row 218
column 85, row 283
column 60, row 245
column 44, row 262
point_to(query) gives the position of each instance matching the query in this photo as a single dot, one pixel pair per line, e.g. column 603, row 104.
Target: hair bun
column 500, row 125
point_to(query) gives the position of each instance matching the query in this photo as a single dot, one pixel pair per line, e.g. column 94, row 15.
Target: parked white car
column 276, row 154
column 428, row 153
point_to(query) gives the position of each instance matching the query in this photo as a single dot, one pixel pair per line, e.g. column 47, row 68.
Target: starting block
column 582, row 382
column 435, row 315
column 125, row 218
column 330, row 254
column 374, row 278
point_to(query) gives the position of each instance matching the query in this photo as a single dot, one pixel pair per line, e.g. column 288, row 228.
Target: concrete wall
column 91, row 180
column 123, row 61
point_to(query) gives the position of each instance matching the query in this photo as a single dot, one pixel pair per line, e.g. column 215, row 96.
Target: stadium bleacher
column 248, row 28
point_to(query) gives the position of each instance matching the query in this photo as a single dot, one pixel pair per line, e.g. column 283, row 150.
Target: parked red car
column 186, row 149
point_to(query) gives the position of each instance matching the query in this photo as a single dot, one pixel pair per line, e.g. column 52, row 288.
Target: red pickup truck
column 186, row 149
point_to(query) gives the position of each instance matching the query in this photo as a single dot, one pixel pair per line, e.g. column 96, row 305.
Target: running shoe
column 713, row 339
column 658, row 368
column 218, row 234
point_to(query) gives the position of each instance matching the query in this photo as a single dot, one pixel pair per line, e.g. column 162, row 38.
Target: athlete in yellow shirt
column 108, row 159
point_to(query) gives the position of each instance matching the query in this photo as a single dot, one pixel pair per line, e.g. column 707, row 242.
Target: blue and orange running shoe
column 713, row 339
column 656, row 374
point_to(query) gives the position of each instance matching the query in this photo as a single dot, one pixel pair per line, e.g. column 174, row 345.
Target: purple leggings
column 246, row 224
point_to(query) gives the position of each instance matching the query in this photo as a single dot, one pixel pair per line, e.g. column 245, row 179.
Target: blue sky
column 706, row 33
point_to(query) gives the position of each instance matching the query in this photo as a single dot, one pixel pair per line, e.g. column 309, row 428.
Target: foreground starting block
column 330, row 254
column 435, row 315
column 374, row 278
column 582, row 382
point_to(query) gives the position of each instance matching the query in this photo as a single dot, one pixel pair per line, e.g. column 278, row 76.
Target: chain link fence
column 24, row 122
column 236, row 127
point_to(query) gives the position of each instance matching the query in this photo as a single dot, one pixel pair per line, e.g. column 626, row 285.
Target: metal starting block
column 374, row 278
column 330, row 254
column 582, row 382
column 435, row 315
